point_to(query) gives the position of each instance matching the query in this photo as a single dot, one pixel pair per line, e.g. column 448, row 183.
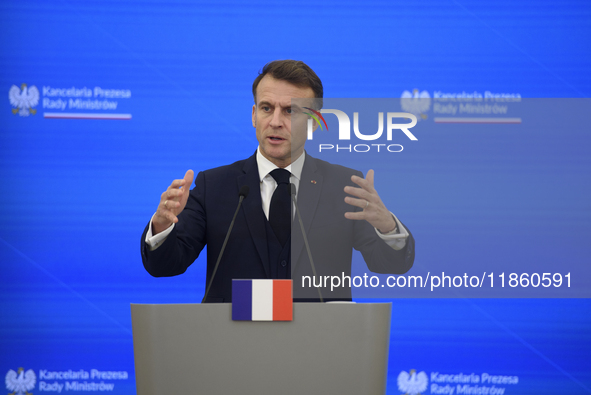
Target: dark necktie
column 280, row 209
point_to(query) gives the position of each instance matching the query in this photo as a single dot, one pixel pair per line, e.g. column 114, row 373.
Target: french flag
column 262, row 300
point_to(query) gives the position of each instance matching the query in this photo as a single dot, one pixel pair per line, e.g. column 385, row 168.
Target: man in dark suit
column 187, row 220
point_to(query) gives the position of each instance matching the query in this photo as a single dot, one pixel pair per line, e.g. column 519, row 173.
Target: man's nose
column 277, row 119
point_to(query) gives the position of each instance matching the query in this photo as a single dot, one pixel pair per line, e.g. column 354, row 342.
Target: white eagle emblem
column 412, row 383
column 20, row 383
column 416, row 103
column 24, row 99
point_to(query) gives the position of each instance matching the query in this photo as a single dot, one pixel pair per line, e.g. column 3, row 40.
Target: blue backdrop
column 170, row 84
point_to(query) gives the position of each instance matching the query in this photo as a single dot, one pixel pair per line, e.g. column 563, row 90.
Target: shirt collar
column 266, row 166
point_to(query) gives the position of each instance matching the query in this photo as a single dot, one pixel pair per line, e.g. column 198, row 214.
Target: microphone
column 243, row 194
column 292, row 191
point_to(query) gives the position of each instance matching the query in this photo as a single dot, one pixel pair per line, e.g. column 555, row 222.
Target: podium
column 328, row 348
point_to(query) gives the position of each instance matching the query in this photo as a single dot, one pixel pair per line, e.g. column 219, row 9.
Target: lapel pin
column 313, row 182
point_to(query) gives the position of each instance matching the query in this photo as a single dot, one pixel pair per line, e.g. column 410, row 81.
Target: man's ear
column 314, row 125
column 254, row 116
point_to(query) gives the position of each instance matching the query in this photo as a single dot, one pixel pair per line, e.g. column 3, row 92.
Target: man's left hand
column 374, row 210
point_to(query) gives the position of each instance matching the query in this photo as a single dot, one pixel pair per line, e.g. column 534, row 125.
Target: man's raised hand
column 172, row 202
column 374, row 210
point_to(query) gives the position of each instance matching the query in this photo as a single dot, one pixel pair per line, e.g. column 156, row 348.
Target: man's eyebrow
column 266, row 103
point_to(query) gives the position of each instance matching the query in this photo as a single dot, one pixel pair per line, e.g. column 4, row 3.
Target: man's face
column 272, row 116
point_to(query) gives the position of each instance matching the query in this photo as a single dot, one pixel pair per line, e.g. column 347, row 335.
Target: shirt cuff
column 155, row 241
column 397, row 238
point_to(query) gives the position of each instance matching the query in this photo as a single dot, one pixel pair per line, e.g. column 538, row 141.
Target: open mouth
column 275, row 138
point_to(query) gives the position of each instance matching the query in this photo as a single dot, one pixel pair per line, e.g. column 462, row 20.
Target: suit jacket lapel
column 253, row 210
column 308, row 196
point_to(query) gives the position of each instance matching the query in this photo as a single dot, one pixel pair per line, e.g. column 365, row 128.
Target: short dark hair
column 295, row 72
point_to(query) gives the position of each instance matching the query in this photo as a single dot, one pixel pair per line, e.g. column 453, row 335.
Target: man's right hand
column 172, row 202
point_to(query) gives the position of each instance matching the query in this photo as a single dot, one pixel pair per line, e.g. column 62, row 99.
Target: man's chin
column 277, row 156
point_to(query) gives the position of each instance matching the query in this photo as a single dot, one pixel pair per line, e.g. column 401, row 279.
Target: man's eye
column 265, row 108
column 288, row 110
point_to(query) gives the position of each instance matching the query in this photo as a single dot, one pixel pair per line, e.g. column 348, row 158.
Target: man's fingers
column 178, row 190
column 168, row 215
column 358, row 192
column 362, row 203
column 188, row 180
column 177, row 184
column 172, row 194
column 359, row 215
column 369, row 177
column 365, row 183
column 170, row 205
column 171, row 218
column 373, row 209
column 172, row 202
